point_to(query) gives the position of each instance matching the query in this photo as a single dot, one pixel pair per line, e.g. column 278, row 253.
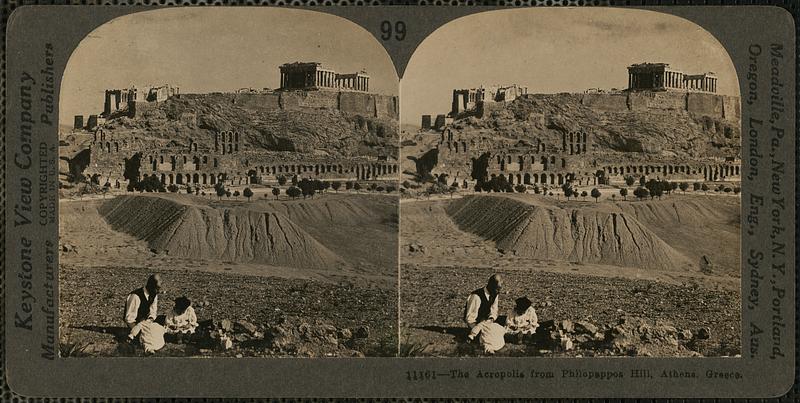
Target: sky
column 206, row 49
column 553, row 50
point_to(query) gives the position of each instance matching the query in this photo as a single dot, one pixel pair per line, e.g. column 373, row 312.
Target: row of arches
column 547, row 179
column 195, row 179
column 530, row 162
column 709, row 172
column 226, row 142
column 174, row 161
column 574, row 141
column 361, row 171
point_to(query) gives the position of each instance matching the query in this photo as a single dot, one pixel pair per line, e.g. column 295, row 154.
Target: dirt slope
column 232, row 234
column 577, row 235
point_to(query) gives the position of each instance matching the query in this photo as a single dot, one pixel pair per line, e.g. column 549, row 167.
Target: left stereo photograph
column 228, row 188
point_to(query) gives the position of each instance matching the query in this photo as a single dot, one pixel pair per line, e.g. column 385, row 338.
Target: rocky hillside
column 658, row 131
column 265, row 127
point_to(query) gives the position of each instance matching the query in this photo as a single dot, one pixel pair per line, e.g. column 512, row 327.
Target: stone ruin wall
column 555, row 165
column 535, row 163
column 198, row 164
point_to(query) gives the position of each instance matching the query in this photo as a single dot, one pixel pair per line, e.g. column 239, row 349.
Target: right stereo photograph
column 570, row 188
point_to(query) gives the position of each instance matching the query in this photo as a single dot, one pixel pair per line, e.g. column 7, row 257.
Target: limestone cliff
column 319, row 123
column 683, row 125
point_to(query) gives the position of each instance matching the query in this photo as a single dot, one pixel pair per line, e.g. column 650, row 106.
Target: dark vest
column 486, row 305
column 144, row 304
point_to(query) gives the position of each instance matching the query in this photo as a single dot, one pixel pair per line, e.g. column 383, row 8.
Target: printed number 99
column 399, row 30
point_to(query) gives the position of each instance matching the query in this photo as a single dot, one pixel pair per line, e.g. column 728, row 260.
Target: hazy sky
column 204, row 49
column 554, row 50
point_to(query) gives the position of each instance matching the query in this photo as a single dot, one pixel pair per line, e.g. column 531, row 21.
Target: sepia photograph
column 228, row 187
column 571, row 188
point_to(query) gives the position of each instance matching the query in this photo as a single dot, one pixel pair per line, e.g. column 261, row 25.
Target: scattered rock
column 309, row 339
column 703, row 333
column 585, row 327
column 685, row 334
column 226, row 325
column 245, row 326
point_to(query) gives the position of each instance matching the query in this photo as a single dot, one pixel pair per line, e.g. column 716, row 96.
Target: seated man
column 480, row 314
column 141, row 310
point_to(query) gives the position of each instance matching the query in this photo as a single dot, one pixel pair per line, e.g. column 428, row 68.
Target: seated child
column 522, row 320
column 182, row 318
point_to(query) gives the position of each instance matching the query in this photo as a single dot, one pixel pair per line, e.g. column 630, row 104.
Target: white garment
column 151, row 336
column 492, row 337
column 183, row 323
column 474, row 304
column 526, row 323
column 132, row 307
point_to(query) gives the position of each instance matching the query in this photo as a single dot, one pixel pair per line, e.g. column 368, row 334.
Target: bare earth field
column 285, row 278
column 632, row 272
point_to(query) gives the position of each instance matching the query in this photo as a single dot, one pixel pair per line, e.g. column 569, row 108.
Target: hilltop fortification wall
column 713, row 105
column 355, row 103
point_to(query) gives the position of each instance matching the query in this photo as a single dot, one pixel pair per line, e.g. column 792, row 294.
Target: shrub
column 684, row 186
column 624, row 193
column 520, row 188
column 247, row 193
column 641, row 192
column 220, row 189
column 275, row 191
column 696, row 186
column 596, row 194
column 336, row 185
column 173, row 188
column 293, row 192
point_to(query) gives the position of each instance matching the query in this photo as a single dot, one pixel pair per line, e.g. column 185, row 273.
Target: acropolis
column 205, row 147
column 558, row 145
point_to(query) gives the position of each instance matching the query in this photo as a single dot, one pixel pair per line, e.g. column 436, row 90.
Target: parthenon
column 660, row 76
column 313, row 76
